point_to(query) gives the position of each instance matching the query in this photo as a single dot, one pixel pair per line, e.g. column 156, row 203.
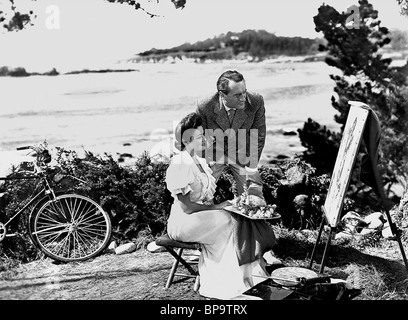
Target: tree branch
column 136, row 5
column 18, row 20
column 404, row 7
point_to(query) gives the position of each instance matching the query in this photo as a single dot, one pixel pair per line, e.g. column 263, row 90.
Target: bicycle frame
column 64, row 226
column 45, row 190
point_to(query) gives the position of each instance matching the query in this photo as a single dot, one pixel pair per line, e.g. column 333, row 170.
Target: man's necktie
column 231, row 113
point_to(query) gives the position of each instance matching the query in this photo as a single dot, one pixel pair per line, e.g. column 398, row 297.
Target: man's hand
column 249, row 171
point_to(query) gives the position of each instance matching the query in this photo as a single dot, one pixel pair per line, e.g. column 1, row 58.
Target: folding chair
column 176, row 248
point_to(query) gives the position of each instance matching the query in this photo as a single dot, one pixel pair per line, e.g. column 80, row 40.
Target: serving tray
column 276, row 216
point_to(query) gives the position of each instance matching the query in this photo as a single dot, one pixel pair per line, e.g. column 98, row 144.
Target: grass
column 7, row 264
column 373, row 265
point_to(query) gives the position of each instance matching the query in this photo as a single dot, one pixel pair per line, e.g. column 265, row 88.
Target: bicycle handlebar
column 24, row 148
column 41, row 152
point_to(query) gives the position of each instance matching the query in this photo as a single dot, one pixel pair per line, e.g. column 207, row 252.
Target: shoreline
column 127, row 153
column 120, row 113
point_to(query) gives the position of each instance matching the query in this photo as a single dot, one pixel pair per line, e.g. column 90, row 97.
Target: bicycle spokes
column 3, row 231
column 72, row 227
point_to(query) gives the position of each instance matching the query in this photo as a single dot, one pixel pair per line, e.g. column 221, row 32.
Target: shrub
column 14, row 197
column 367, row 77
column 135, row 195
column 138, row 202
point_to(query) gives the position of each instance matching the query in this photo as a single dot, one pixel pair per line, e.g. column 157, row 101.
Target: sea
column 132, row 112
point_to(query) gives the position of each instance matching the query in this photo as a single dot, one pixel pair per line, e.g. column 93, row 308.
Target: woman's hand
column 223, row 204
column 190, row 207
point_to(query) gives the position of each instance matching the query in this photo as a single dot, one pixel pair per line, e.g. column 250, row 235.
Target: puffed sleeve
column 179, row 176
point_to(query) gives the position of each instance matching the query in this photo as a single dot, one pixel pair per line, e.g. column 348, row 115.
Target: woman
column 195, row 218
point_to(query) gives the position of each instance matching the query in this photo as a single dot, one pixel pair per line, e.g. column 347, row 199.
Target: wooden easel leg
column 317, row 241
column 395, row 232
column 326, row 249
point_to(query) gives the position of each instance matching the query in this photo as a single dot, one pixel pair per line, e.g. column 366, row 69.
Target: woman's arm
column 189, row 207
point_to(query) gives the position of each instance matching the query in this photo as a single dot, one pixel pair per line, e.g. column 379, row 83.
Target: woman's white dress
column 220, row 274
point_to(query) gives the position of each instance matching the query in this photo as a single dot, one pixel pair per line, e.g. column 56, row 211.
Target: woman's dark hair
column 223, row 80
column 190, row 121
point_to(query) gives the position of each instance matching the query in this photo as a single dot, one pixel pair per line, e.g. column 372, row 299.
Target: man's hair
column 223, row 80
column 190, row 121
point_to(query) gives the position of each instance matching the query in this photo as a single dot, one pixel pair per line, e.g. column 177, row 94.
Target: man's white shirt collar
column 223, row 104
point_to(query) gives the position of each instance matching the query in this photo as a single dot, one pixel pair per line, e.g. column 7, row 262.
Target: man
column 235, row 120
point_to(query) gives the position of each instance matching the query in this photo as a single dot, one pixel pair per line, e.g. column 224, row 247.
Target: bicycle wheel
column 33, row 211
column 71, row 228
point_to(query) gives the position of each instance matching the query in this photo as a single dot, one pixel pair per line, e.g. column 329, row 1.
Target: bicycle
column 66, row 227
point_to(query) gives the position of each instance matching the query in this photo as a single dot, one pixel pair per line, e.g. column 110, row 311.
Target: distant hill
column 250, row 44
column 101, row 71
column 21, row 72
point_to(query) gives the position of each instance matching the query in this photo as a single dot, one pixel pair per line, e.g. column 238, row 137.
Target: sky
column 72, row 34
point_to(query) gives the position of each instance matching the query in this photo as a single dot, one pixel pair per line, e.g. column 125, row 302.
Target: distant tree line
column 258, row 44
column 21, row 72
column 263, row 44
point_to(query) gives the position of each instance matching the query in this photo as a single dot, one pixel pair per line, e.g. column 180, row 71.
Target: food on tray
column 254, row 207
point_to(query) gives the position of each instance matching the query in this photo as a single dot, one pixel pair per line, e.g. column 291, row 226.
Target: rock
column 375, row 221
column 386, row 231
column 126, row 155
column 290, row 133
column 352, row 222
column 374, row 216
column 153, row 247
column 125, row 248
column 112, row 246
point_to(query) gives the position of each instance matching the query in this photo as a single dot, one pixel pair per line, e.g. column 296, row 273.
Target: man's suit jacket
column 214, row 116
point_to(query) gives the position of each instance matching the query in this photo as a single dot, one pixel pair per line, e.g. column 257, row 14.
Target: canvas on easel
column 345, row 160
column 360, row 123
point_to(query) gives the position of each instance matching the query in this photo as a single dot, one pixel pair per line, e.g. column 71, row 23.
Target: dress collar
column 186, row 157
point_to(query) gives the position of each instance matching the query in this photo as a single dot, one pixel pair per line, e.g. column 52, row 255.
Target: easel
column 356, row 126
